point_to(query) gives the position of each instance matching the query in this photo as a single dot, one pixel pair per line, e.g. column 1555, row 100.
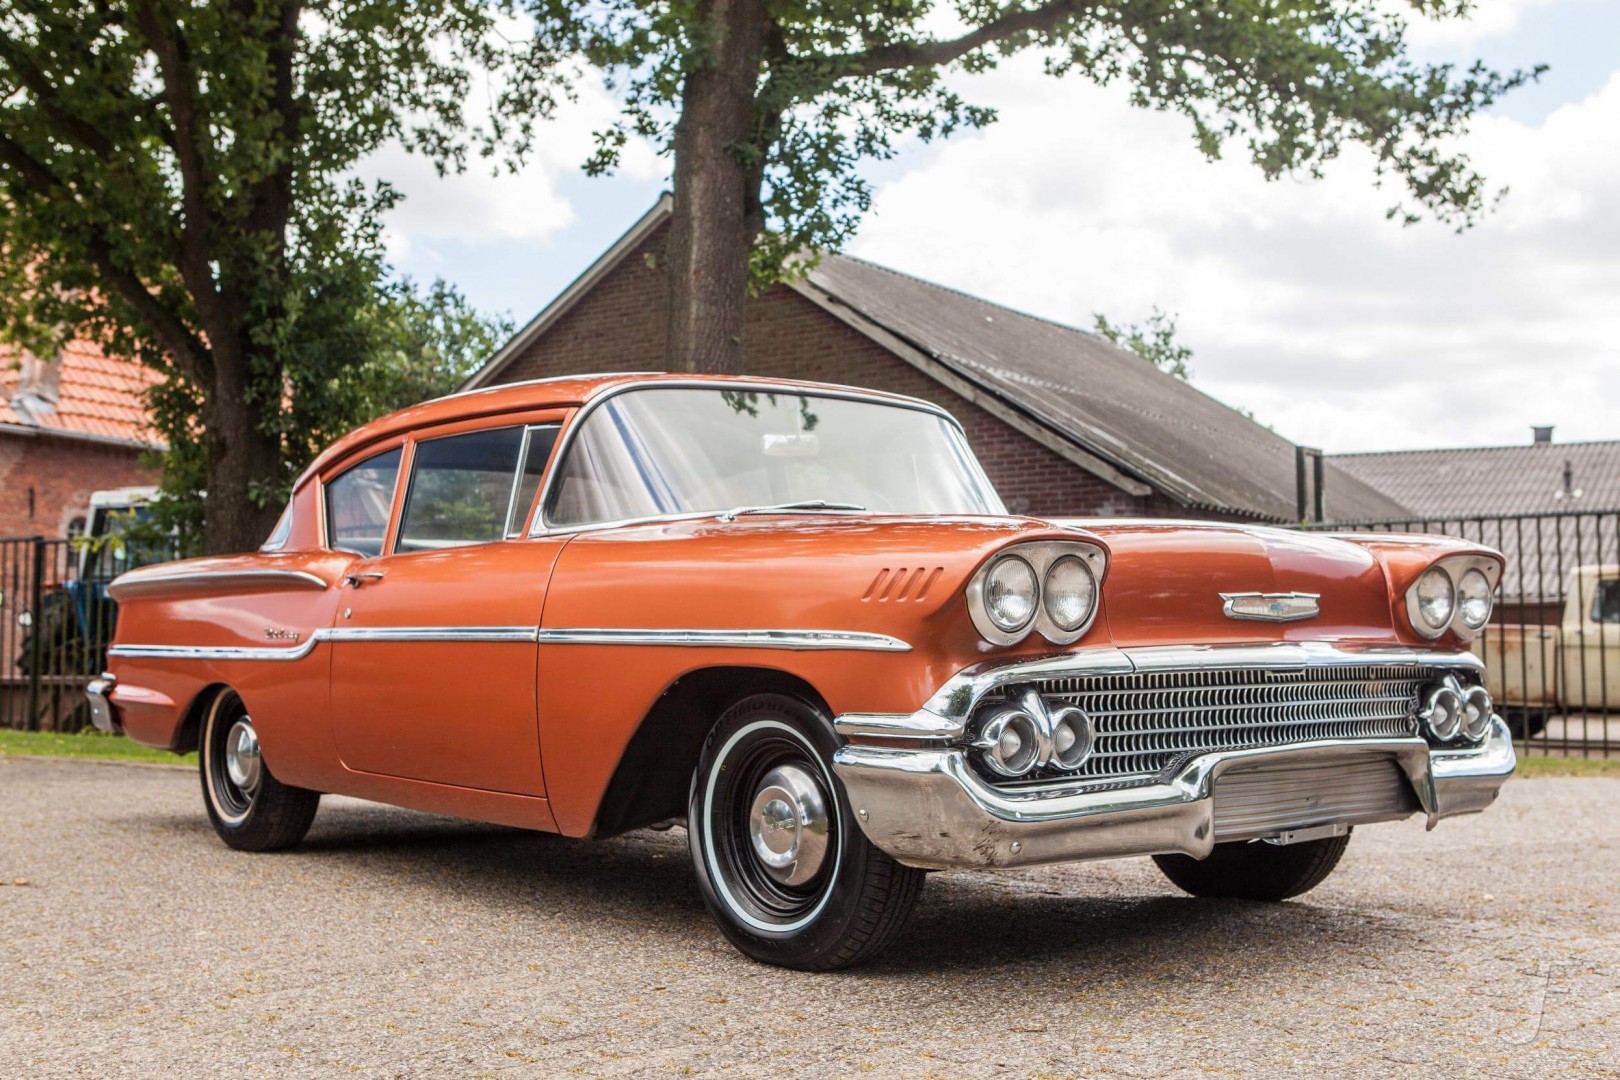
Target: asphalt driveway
column 399, row 944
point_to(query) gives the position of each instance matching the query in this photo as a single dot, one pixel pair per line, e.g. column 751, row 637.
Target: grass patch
column 89, row 743
column 1567, row 766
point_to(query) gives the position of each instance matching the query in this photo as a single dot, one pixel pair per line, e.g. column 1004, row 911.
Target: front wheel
column 782, row 866
column 251, row 810
column 1256, row 870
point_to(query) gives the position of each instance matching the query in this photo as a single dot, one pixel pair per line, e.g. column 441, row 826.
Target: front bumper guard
column 925, row 807
column 102, row 714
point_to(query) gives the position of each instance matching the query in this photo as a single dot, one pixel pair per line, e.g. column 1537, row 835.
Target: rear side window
column 357, row 504
column 474, row 488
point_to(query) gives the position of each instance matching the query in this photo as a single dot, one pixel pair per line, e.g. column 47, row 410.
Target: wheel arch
column 653, row 777
column 188, row 736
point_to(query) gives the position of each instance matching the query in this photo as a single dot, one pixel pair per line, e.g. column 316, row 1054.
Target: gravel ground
column 400, row 944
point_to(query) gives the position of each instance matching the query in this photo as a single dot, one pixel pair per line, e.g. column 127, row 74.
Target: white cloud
column 1488, row 19
column 1300, row 300
column 484, row 205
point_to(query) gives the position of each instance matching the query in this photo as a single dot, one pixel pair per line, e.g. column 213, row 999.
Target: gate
column 55, row 622
column 1552, row 647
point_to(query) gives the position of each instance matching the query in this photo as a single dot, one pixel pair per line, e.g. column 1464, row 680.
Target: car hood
column 1167, row 583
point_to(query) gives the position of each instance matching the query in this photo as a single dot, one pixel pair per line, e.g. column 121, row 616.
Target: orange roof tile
column 97, row 397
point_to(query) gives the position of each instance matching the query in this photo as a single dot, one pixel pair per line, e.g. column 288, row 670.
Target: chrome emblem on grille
column 1272, row 607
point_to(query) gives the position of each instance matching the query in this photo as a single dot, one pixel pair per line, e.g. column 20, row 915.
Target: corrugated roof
column 95, row 397
column 1081, row 387
column 1495, row 480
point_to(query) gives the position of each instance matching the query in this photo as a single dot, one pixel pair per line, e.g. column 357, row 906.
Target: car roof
column 561, row 392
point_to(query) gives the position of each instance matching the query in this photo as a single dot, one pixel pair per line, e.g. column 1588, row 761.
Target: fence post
column 36, row 639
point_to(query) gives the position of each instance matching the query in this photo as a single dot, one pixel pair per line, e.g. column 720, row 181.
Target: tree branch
column 34, row 79
column 914, row 54
column 180, row 92
column 189, row 353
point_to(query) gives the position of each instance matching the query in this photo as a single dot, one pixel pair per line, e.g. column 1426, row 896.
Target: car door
column 433, row 642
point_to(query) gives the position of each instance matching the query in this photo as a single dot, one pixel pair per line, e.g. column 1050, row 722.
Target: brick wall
column 46, row 481
column 619, row 326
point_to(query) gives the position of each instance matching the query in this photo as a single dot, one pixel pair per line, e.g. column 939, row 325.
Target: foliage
column 411, row 345
column 1154, row 341
column 1292, row 82
column 176, row 184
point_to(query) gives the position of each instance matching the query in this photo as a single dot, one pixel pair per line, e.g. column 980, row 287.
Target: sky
column 1300, row 301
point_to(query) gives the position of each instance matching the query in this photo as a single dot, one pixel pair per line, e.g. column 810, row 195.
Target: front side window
column 358, row 502
column 663, row 451
column 473, row 488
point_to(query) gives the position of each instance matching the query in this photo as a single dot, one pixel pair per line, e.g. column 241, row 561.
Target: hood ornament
column 1272, row 607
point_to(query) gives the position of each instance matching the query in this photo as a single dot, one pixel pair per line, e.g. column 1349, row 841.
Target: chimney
column 38, row 388
column 1542, row 432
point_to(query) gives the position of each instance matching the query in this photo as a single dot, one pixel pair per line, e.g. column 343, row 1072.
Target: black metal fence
column 1552, row 648
column 55, row 622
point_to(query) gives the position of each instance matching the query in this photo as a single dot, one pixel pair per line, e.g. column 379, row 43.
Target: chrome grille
column 1150, row 721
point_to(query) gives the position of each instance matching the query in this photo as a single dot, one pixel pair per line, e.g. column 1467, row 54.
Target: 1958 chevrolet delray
column 799, row 617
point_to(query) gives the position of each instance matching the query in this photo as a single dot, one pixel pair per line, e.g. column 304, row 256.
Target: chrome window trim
column 565, row 442
column 136, row 582
column 803, row 640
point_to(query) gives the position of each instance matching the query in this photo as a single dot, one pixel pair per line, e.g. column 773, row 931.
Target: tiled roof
column 95, row 397
column 1495, row 480
column 1082, row 388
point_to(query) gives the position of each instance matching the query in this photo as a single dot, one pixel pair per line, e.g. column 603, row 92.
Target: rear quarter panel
column 218, row 603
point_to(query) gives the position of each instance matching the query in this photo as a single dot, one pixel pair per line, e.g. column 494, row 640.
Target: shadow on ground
column 966, row 923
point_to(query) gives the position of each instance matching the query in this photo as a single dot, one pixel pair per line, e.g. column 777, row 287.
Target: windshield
column 666, row 450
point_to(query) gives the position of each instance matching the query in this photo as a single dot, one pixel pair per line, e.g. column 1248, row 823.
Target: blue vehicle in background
column 68, row 620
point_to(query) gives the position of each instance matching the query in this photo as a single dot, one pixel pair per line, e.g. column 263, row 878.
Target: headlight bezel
column 1041, row 556
column 1455, row 568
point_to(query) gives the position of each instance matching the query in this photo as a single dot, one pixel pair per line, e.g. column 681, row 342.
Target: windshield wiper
column 809, row 504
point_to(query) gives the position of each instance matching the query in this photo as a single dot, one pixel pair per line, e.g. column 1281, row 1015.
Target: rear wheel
column 1256, row 870
column 250, row 809
column 782, row 866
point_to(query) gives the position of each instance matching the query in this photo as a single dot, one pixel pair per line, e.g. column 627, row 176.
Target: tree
column 176, row 184
column 770, row 106
column 407, row 345
column 1154, row 341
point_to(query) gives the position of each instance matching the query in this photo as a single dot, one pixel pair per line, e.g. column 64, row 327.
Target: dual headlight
column 1049, row 585
column 1016, row 737
column 1454, row 593
column 1449, row 711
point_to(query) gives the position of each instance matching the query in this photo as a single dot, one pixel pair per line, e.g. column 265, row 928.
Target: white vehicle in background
column 1535, row 672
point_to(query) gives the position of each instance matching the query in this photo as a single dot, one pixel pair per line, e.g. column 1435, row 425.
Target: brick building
column 1065, row 423
column 68, row 427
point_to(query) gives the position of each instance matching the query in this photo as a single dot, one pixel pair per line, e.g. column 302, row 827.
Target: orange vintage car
column 799, row 618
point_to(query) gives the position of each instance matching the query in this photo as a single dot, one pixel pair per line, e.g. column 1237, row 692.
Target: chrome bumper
column 102, row 714
column 924, row 806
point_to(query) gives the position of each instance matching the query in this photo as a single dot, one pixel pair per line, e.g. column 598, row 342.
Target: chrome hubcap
column 242, row 763
column 788, row 825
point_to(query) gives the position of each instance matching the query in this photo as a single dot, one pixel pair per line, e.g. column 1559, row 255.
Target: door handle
column 354, row 581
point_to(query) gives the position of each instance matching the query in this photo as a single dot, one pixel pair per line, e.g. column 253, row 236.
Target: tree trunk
column 242, row 461
column 711, row 234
